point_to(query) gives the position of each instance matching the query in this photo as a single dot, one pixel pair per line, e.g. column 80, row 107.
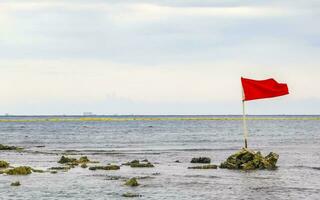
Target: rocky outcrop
column 201, row 160
column 246, row 159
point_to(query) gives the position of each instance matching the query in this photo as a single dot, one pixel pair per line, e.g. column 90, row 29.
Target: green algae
column 132, row 182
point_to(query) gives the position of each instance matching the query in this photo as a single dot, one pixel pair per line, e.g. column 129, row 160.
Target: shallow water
column 162, row 142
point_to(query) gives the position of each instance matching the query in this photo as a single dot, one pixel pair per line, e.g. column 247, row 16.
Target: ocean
column 162, row 140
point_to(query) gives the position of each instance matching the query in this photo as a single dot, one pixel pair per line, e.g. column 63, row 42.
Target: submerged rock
column 132, row 182
column 23, row 170
column 137, row 163
column 60, row 168
column 201, row 160
column 4, row 164
column 204, row 167
column 249, row 160
column 16, row 183
column 108, row 167
column 129, row 194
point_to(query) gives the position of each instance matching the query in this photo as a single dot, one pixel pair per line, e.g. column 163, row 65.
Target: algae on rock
column 249, row 160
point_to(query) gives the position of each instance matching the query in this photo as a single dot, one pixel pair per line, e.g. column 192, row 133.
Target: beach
column 169, row 145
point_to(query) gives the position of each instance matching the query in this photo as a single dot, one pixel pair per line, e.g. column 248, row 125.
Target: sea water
column 162, row 142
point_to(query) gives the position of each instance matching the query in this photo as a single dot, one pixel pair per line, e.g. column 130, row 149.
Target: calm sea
column 162, row 142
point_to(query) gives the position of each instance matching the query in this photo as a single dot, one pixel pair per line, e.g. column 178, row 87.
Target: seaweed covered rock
column 23, row 170
column 16, row 183
column 108, row 167
column 204, row 167
column 73, row 161
column 9, row 148
column 4, row 164
column 132, row 182
column 201, row 160
column 249, row 160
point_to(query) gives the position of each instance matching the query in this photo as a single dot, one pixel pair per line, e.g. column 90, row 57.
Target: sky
column 156, row 56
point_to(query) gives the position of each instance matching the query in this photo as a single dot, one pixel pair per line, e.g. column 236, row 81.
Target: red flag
column 259, row 89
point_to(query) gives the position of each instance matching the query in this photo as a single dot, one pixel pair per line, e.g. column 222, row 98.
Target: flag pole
column 245, row 130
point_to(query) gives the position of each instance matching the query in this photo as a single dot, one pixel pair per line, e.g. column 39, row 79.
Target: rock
column 4, row 164
column 108, row 167
column 60, row 168
column 84, row 159
column 201, row 160
column 132, row 162
column 16, row 183
column 246, row 159
column 65, row 160
column 9, row 148
column 132, row 182
column 84, row 165
column 37, row 170
column 129, row 194
column 23, row 170
column 142, row 165
column 72, row 162
column 204, row 167
column 177, row 161
column 53, row 172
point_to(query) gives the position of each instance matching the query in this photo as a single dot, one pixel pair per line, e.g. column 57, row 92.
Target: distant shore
column 151, row 118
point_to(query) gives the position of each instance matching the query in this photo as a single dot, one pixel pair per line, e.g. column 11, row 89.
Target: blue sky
column 156, row 57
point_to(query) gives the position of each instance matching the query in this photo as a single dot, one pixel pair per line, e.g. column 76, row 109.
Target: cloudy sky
column 156, row 56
